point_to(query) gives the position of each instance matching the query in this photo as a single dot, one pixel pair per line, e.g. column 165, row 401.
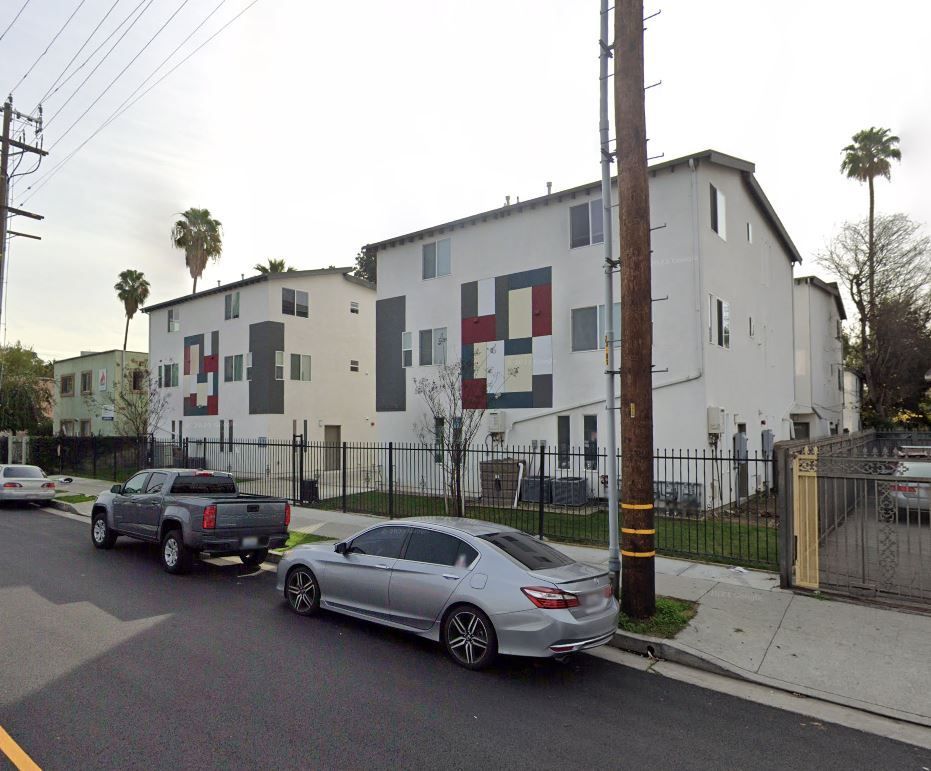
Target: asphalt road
column 108, row 662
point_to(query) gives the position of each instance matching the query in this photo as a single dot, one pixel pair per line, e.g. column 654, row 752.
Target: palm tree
column 273, row 266
column 133, row 291
column 867, row 158
column 201, row 238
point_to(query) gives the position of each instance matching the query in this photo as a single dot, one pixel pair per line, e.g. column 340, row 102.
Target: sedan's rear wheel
column 302, row 591
column 470, row 638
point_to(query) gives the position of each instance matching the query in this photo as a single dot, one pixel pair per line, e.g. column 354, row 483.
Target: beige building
column 84, row 390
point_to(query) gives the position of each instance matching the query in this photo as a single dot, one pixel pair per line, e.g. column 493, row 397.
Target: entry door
column 331, row 438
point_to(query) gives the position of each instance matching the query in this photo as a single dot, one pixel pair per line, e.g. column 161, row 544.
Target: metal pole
column 4, row 190
column 391, row 480
column 604, row 125
column 542, row 477
column 343, row 477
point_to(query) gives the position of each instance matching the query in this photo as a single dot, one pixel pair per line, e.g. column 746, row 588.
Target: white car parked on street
column 25, row 483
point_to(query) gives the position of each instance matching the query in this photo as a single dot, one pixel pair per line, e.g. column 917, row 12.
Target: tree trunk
column 126, row 334
column 866, row 329
column 871, row 256
column 194, row 290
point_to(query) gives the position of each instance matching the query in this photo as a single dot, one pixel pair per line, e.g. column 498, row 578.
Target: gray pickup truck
column 188, row 511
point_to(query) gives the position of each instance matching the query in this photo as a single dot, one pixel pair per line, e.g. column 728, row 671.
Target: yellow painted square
column 520, row 313
column 480, row 360
column 518, row 372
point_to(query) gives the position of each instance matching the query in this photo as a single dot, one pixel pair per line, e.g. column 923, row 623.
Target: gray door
column 359, row 579
column 125, row 508
column 430, row 568
column 149, row 505
column 331, row 438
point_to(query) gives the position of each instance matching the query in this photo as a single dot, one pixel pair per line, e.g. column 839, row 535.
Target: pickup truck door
column 125, row 515
column 149, row 505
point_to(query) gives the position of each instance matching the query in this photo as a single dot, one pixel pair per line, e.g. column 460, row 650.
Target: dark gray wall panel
column 542, row 390
column 501, row 308
column 470, row 299
column 390, row 378
column 266, row 394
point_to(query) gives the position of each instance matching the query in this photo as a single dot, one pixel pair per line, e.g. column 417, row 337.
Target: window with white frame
column 407, row 349
column 174, row 319
column 231, row 302
column 279, row 365
column 232, row 368
column 167, row 375
column 586, row 223
column 719, row 322
column 749, row 233
column 437, row 258
column 585, row 329
column 249, row 365
column 718, row 212
column 354, row 307
column 616, row 321
column 300, row 367
column 294, row 302
column 432, row 346
column 353, row 365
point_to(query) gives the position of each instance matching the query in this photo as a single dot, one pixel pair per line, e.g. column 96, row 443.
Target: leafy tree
column 26, row 389
column 366, row 265
column 133, row 290
column 273, row 266
column 201, row 238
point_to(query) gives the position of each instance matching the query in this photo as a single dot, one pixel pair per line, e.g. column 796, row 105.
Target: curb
column 62, row 506
column 667, row 650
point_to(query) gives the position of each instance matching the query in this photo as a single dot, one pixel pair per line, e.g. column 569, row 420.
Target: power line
column 10, row 25
column 39, row 58
column 76, row 55
column 42, row 181
column 120, row 73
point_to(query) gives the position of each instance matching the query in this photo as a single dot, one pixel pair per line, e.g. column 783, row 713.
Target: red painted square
column 187, row 360
column 211, row 363
column 213, row 405
column 542, row 305
column 474, row 394
column 478, row 329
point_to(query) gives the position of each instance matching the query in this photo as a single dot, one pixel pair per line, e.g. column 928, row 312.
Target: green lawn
column 748, row 540
column 75, row 498
column 672, row 616
column 299, row 539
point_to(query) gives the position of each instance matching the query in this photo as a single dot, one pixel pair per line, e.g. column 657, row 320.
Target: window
column 174, row 320
column 585, row 329
column 407, row 349
column 800, row 430
column 230, row 434
column 287, row 301
column 66, row 386
column 191, row 484
column 433, row 346
column 586, row 224
column 249, row 366
column 302, row 301
column 437, row 259
column 232, row 368
column 300, row 367
column 155, row 482
column 749, row 233
column 138, row 377
column 305, row 370
column 752, row 330
column 590, row 428
column 354, row 307
column 294, row 302
column 562, row 440
column 380, row 542
column 85, row 428
column 840, row 379
column 232, row 306
column 168, row 375
column 222, row 436
column 439, row 437
column 23, row 472
column 718, row 212
column 136, row 484
column 719, row 322
column 438, row 549
column 840, row 329
column 527, row 550
column 86, row 382
column 67, row 427
column 279, row 365
column 353, row 365
column 616, row 320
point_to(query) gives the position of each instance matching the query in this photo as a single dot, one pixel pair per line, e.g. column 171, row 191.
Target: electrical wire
column 76, row 55
column 48, row 47
column 10, row 25
column 41, row 182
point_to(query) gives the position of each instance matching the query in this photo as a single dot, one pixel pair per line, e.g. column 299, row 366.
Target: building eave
column 829, row 287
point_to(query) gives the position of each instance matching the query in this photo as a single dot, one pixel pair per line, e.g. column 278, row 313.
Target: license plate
column 591, row 599
column 250, row 542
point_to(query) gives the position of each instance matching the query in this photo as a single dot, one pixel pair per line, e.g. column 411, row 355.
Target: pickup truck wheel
column 101, row 535
column 176, row 557
column 253, row 558
column 302, row 591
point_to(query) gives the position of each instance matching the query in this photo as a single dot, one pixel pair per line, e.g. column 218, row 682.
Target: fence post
column 542, row 477
column 300, row 467
column 782, row 458
column 391, row 480
column 94, row 455
column 184, row 453
column 343, row 476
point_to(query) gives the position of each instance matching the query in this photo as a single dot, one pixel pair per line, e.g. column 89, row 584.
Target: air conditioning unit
column 496, row 422
column 715, row 420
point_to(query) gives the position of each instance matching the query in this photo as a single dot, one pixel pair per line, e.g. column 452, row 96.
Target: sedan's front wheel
column 470, row 638
column 302, row 591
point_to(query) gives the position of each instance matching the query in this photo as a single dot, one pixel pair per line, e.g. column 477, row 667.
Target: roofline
column 746, row 169
column 826, row 286
column 100, row 353
column 256, row 280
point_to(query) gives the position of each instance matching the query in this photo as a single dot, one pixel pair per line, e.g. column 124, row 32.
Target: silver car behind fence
column 479, row 588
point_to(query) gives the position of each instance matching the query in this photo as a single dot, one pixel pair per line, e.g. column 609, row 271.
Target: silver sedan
column 25, row 483
column 479, row 588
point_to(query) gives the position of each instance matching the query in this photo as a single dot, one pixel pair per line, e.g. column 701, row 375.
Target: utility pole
column 638, row 531
column 604, row 126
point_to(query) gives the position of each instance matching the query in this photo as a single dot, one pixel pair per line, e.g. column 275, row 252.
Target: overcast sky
column 310, row 129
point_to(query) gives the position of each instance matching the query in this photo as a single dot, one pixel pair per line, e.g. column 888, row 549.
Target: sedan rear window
column 202, row 485
column 23, row 472
column 528, row 551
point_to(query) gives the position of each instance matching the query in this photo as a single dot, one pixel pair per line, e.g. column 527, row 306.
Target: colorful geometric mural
column 507, row 343
column 201, row 375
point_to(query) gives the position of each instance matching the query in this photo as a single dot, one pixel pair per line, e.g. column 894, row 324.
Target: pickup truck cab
column 186, row 512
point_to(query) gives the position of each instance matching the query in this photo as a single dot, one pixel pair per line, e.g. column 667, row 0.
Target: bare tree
column 137, row 407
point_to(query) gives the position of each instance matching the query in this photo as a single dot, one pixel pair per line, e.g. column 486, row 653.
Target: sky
column 310, row 129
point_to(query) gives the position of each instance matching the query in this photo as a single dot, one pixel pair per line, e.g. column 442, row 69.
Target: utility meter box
column 496, row 422
column 716, row 420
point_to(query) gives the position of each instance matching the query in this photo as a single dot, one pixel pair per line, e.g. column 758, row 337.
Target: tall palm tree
column 273, row 266
column 133, row 291
column 201, row 237
column 867, row 158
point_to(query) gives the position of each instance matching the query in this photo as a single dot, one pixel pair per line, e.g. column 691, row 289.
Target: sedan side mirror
column 118, row 489
column 341, row 548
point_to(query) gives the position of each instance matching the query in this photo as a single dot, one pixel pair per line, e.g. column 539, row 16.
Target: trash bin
column 310, row 491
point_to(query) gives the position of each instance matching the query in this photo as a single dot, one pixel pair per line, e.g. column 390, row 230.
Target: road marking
column 15, row 753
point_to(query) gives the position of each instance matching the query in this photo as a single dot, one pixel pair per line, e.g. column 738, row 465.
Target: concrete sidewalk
column 869, row 658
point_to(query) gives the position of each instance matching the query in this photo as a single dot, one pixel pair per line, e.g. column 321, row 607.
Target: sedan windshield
column 527, row 550
column 23, row 472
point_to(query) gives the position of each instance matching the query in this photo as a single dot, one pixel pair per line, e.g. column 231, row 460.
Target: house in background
column 266, row 358
column 819, row 359
column 515, row 294
column 851, row 422
column 84, row 388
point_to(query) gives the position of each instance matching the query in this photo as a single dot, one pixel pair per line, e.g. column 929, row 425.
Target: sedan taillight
column 210, row 517
column 49, row 485
column 903, row 488
column 550, row 598
column 8, row 485
column 287, row 514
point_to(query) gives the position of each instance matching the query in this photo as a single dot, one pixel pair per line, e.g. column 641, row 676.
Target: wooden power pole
column 638, row 531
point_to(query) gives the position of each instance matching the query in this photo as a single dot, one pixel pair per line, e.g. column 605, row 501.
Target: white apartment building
column 516, row 295
column 819, row 359
column 268, row 357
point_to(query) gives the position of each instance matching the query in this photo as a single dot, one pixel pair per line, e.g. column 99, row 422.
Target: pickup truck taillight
column 287, row 514
column 210, row 517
